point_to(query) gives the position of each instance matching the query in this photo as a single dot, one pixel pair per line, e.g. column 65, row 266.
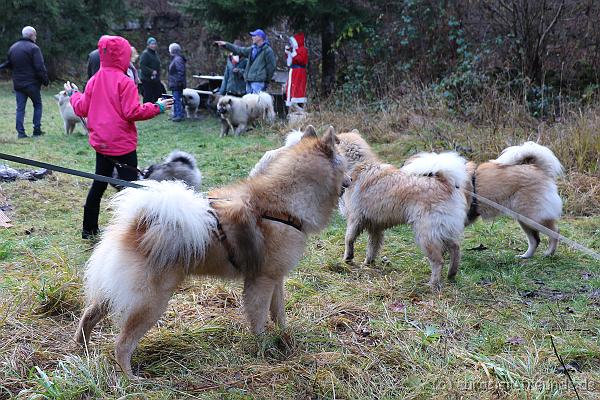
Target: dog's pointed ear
column 355, row 131
column 309, row 131
column 329, row 139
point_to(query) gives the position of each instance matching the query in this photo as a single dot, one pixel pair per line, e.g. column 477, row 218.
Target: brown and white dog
column 522, row 179
column 426, row 194
column 254, row 230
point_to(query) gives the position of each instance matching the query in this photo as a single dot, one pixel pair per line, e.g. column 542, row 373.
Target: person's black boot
column 90, row 223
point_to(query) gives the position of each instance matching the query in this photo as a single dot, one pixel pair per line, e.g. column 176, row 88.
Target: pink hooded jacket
column 111, row 101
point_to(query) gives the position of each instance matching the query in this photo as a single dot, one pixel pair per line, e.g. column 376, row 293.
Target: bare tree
column 530, row 24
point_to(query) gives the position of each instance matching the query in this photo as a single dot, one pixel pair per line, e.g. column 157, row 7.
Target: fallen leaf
column 515, row 340
column 572, row 366
column 397, row 306
column 478, row 248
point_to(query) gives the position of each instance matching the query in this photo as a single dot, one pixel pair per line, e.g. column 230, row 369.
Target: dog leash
column 64, row 170
column 123, row 165
column 505, row 210
column 531, row 223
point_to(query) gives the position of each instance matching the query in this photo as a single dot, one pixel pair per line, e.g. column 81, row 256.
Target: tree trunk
column 328, row 55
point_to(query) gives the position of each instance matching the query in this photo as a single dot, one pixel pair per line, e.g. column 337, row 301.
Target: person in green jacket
column 150, row 72
column 233, row 77
column 261, row 61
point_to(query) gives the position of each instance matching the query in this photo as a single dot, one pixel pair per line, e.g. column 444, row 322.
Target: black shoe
column 90, row 223
column 38, row 133
column 177, row 119
column 90, row 235
column 21, row 136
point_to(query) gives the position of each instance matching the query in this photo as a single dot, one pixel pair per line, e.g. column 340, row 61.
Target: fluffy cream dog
column 254, row 230
column 236, row 113
column 426, row 194
column 522, row 179
column 66, row 112
column 191, row 101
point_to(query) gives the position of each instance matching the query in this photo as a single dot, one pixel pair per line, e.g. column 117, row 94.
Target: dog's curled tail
column 163, row 226
column 532, row 153
column 264, row 97
column 182, row 157
column 449, row 165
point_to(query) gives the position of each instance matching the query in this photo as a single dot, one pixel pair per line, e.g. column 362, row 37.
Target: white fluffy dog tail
column 162, row 226
column 450, row 165
column 266, row 101
column 293, row 137
column 532, row 153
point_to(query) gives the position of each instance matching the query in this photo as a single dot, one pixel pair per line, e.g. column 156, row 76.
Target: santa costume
column 297, row 59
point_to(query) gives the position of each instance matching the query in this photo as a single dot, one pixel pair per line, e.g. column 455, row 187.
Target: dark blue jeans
column 178, row 104
column 30, row 92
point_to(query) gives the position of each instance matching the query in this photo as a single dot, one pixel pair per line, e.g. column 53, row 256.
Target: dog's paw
column 436, row 286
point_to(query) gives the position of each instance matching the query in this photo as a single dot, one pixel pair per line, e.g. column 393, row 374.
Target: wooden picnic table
column 209, row 82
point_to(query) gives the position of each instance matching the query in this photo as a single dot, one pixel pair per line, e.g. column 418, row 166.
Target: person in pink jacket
column 112, row 105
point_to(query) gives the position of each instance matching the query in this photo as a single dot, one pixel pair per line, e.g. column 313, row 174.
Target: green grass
column 354, row 331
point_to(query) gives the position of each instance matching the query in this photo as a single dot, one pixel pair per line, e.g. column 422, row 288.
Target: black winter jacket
column 27, row 64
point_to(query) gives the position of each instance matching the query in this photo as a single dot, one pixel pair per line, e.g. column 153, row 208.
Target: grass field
column 354, row 331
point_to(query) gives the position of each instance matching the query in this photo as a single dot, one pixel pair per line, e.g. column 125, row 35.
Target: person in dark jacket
column 233, row 77
column 93, row 63
column 150, row 72
column 177, row 80
column 261, row 61
column 29, row 74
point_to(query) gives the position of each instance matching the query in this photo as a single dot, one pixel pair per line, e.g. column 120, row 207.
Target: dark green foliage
column 66, row 29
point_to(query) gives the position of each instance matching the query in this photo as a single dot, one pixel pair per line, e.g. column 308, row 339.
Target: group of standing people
column 148, row 75
column 110, row 101
column 250, row 69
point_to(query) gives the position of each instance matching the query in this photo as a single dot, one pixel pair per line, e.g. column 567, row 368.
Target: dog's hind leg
column 147, row 308
column 454, row 250
column 434, row 253
column 553, row 242
column 91, row 316
column 258, row 295
column 533, row 240
column 277, row 305
column 375, row 242
column 352, row 231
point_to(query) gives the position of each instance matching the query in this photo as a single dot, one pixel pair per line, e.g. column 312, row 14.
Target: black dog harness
column 222, row 236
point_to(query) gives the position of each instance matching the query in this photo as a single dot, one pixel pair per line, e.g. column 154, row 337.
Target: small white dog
column 236, row 113
column 66, row 112
column 191, row 101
